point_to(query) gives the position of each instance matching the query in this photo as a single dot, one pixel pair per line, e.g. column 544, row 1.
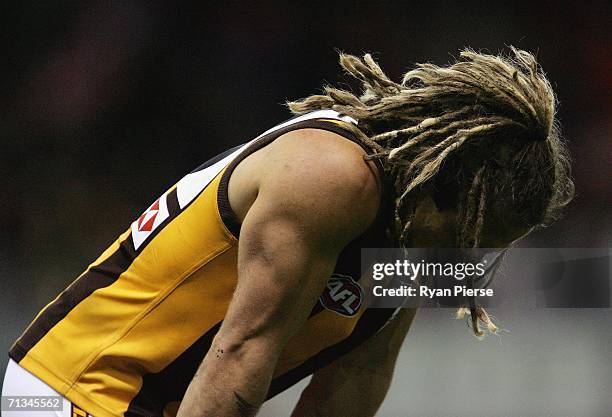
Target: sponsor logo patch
column 149, row 221
column 342, row 295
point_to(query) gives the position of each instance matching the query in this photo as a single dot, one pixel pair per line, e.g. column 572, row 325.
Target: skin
column 293, row 197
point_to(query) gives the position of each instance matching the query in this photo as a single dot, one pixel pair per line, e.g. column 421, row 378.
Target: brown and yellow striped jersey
column 126, row 337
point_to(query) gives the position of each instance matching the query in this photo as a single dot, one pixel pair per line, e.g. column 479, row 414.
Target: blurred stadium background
column 106, row 104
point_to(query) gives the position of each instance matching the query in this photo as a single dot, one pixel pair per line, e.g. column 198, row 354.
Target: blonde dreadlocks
column 482, row 130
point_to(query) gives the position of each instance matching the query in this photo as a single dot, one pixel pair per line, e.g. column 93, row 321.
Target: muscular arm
column 356, row 384
column 289, row 242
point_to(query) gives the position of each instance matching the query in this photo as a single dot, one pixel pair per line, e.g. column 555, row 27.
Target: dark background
column 104, row 105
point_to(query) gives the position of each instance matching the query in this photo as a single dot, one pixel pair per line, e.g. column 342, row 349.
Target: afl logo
column 342, row 295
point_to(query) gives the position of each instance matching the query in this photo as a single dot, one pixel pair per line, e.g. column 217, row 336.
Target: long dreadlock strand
column 445, row 125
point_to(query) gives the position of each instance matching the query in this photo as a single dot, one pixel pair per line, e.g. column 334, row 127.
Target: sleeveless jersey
column 126, row 337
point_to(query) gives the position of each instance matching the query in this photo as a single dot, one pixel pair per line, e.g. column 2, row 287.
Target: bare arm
column 356, row 384
column 289, row 242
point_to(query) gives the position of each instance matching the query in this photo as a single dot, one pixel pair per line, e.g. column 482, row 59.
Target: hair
column 478, row 134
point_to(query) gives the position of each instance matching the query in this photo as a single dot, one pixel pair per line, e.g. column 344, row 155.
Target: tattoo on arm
column 245, row 408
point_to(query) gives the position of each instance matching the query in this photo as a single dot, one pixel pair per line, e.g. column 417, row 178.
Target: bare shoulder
column 317, row 175
column 325, row 167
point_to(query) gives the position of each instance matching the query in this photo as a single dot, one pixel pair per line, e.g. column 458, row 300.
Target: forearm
column 356, row 384
column 231, row 382
column 354, row 392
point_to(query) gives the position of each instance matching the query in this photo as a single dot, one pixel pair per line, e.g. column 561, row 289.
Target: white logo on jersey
column 343, row 295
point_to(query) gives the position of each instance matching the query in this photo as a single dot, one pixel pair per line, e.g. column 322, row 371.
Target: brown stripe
column 96, row 277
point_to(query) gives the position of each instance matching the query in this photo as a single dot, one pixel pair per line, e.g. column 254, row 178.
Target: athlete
column 224, row 292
